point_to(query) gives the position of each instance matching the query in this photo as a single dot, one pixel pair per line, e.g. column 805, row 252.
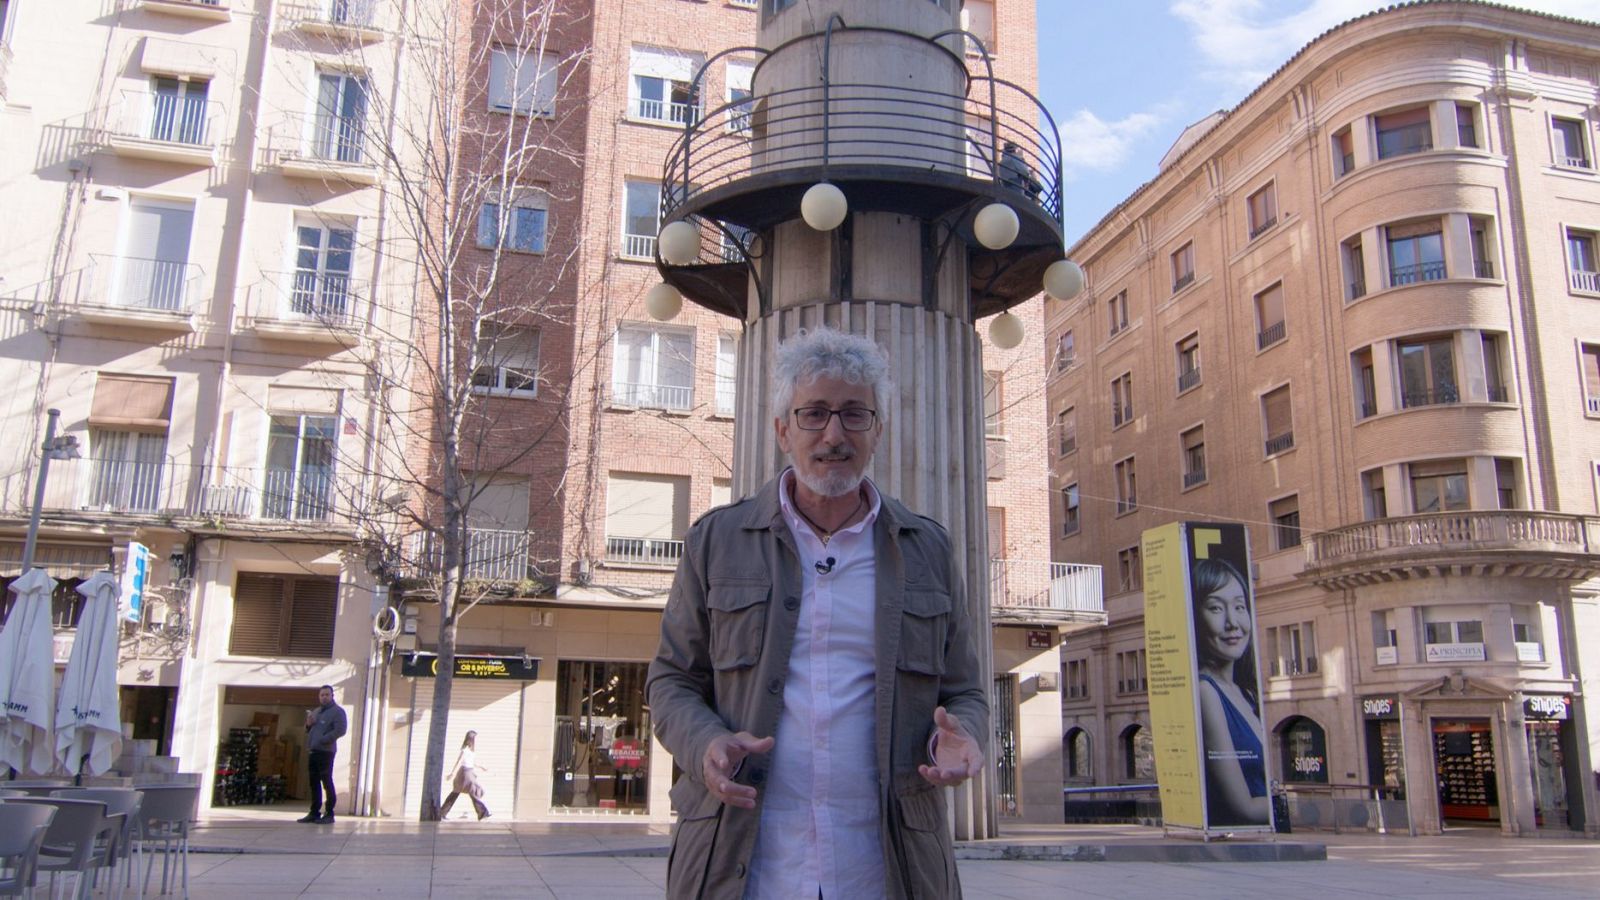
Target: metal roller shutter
column 491, row 708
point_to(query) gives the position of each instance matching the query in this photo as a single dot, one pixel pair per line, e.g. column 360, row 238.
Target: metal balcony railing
column 1271, row 335
column 1262, row 226
column 653, row 396
column 332, row 298
column 1572, row 162
column 332, row 139
column 134, row 283
column 1182, row 281
column 1280, row 443
column 496, row 555
column 1586, row 281
column 1188, row 378
column 344, row 13
column 168, row 118
column 632, row 551
column 1358, row 288
column 727, row 396
column 639, row 246
column 1434, row 396
column 1057, row 587
column 668, row 111
column 1482, row 268
column 1416, row 273
column 1592, row 405
column 1194, row 477
column 1405, row 140
column 1447, row 535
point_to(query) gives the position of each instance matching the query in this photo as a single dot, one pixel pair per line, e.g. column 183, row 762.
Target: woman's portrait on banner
column 1229, row 688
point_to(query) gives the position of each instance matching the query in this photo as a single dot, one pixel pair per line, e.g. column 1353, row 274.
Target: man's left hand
column 956, row 756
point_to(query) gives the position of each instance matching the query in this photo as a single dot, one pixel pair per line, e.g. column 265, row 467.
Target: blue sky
column 1123, row 78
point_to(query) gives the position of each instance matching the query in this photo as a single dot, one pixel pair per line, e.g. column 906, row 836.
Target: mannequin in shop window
column 465, row 780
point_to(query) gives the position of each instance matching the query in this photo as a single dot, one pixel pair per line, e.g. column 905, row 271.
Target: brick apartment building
column 1359, row 312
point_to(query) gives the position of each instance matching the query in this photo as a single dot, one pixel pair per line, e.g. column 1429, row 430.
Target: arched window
column 1305, row 750
column 1075, row 750
column 1138, row 754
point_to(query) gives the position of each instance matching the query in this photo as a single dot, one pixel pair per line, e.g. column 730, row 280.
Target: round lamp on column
column 662, row 302
column 824, row 207
column 679, row 243
column 996, row 226
column 1005, row 331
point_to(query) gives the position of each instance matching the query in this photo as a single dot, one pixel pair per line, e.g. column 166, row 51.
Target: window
column 1467, row 125
column 727, row 374
column 1131, row 672
column 653, row 368
column 646, row 518
column 1127, row 486
column 498, row 541
column 1482, row 251
column 992, row 405
column 660, row 86
column 508, row 361
column 1505, row 483
column 1590, row 360
column 1122, row 400
column 339, row 133
column 1403, row 132
column 1525, row 633
column 1449, row 636
column 1262, row 209
column 1069, row 509
column 1365, row 383
column 1355, row 269
column 1416, row 253
column 1285, row 515
column 153, row 270
column 977, row 17
column 1117, row 312
column 1076, row 750
column 1568, row 143
column 1067, row 431
column 1270, row 326
column 777, row 6
column 1292, row 649
column 1277, row 413
column 1344, row 156
column 278, row 615
column 299, row 473
column 1438, row 486
column 1581, row 261
column 520, row 224
column 1183, row 267
column 1188, row 362
column 1077, row 678
column 128, row 424
column 1494, row 380
column 324, row 259
column 1427, row 372
column 178, row 111
column 641, row 219
column 740, row 78
column 1066, row 353
column 735, row 242
column 522, row 82
column 1374, row 499
column 1193, row 443
column 1384, row 637
column 1305, row 751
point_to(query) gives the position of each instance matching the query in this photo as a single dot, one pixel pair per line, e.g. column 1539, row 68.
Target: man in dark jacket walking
column 324, row 726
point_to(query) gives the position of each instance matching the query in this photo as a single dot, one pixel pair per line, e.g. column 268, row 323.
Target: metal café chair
column 22, row 831
column 36, row 788
column 124, row 802
column 77, row 839
column 165, row 816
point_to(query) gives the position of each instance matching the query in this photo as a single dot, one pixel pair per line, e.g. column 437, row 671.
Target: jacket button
column 739, row 870
column 791, row 603
column 775, row 686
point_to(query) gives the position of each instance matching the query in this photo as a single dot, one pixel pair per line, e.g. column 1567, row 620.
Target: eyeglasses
column 854, row 418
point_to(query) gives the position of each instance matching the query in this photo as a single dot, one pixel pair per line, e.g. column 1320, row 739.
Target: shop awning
column 57, row 560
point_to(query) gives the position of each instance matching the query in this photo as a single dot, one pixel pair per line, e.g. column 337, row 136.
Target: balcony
column 650, row 553
column 348, row 20
column 209, row 10
column 494, row 555
column 1271, row 334
column 1045, row 593
column 323, row 148
column 1482, row 268
column 1279, row 444
column 639, row 246
column 1512, row 543
column 142, row 293
column 1443, row 395
column 652, row 396
column 1587, row 282
column 316, row 307
column 1188, row 378
column 1572, row 162
column 165, row 127
column 1416, row 273
column 309, row 494
column 663, row 111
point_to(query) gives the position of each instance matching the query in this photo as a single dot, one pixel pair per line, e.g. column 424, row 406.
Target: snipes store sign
column 511, row 668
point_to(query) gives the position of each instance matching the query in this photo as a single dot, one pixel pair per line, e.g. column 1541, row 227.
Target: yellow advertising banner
column 1169, row 660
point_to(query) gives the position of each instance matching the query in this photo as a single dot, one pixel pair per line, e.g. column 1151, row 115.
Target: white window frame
column 516, row 91
column 650, row 392
column 1584, row 163
column 507, row 372
column 522, row 200
column 727, row 382
column 639, row 246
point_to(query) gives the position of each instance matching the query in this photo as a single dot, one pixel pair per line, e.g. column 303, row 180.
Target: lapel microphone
column 824, row 568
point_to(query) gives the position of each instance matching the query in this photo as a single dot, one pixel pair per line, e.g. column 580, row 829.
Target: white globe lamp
column 679, row 243
column 996, row 226
column 1063, row 279
column 662, row 302
column 824, row 207
column 1005, row 331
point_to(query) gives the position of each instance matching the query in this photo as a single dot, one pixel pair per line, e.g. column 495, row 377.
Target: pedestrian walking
column 324, row 726
column 465, row 780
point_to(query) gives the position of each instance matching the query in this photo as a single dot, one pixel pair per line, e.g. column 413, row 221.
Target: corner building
column 1359, row 312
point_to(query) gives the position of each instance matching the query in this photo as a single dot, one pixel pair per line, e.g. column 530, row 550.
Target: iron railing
column 1456, row 532
column 1059, row 587
column 634, row 551
column 668, row 111
column 1572, row 162
column 489, row 554
column 1586, row 281
column 1280, row 443
column 1358, row 287
column 1262, row 226
column 653, row 396
column 1435, row 396
column 323, row 138
column 346, row 13
column 1271, row 335
column 1416, row 273
column 168, row 118
column 1182, row 281
column 155, row 284
column 332, row 298
column 1405, row 140
column 1482, row 268
column 1194, row 477
column 1188, row 378
column 639, row 246
column 1592, row 405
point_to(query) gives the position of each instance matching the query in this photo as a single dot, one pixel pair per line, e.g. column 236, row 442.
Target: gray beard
column 829, row 485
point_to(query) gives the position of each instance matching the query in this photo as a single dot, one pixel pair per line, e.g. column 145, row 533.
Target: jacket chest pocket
column 738, row 625
column 924, row 623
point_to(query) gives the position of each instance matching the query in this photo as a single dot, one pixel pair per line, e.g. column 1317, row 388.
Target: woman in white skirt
column 465, row 780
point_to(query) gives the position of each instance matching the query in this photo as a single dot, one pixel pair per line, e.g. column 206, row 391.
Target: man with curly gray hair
column 818, row 679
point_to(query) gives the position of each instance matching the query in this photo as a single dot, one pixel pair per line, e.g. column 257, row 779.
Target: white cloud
column 1089, row 143
column 1244, row 41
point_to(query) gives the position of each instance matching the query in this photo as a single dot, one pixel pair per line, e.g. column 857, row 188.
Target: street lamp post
column 62, row 447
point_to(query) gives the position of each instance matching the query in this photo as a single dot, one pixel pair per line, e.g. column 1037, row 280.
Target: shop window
column 601, row 753
column 1292, row 649
column 1138, row 754
column 1305, row 750
column 281, row 615
column 1076, row 750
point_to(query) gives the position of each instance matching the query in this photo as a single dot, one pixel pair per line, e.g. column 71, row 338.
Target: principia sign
column 509, row 668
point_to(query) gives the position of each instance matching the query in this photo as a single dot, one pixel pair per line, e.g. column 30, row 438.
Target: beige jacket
column 726, row 635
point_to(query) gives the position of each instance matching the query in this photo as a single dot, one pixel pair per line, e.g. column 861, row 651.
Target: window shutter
column 122, row 402
column 315, row 602
column 647, row 506
column 257, row 616
column 1278, row 411
column 1269, row 306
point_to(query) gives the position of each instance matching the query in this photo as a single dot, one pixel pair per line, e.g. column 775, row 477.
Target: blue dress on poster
column 1246, row 742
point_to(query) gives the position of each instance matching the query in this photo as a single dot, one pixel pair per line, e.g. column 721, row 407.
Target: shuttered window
column 277, row 615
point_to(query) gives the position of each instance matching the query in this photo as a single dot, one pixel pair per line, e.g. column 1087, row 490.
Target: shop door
column 1003, row 711
column 601, row 757
column 491, row 708
column 1386, row 757
column 1464, row 760
column 1547, row 762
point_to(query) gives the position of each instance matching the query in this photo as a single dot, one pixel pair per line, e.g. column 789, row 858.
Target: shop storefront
column 1304, row 747
column 488, row 696
column 600, row 761
column 1464, row 760
column 1549, row 749
column 1386, row 756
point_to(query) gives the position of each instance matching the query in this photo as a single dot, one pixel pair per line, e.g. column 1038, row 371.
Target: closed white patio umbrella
column 88, row 716
column 27, row 671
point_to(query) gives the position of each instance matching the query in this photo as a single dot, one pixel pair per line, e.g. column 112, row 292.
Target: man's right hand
column 723, row 756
